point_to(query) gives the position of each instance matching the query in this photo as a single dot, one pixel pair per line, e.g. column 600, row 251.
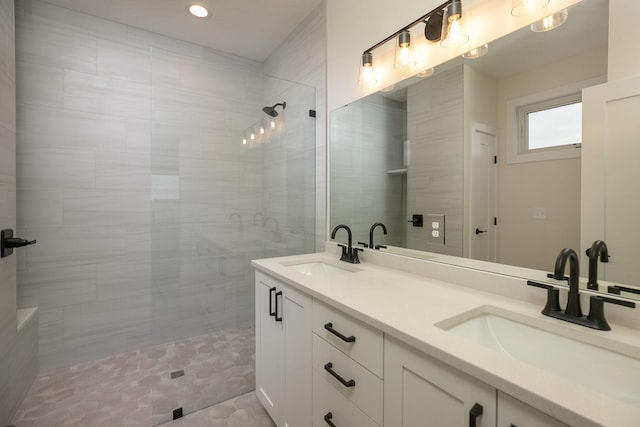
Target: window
column 546, row 125
column 550, row 125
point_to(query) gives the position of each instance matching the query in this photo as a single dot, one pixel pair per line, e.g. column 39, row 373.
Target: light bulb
column 244, row 141
column 261, row 130
column 527, row 7
column 452, row 35
column 367, row 76
column 198, row 10
column 550, row 22
column 252, row 136
column 405, row 57
column 273, row 124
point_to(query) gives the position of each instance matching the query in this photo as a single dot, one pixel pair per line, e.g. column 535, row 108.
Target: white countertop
column 407, row 306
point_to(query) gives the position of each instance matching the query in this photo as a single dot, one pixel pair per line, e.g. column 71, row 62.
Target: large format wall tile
column 132, row 176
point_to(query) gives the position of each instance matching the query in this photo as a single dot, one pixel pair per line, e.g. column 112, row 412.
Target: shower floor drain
column 177, row 374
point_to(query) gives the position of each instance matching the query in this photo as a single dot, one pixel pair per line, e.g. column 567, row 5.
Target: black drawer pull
column 278, row 319
column 271, row 311
column 327, row 419
column 328, row 367
column 329, row 327
column 474, row 413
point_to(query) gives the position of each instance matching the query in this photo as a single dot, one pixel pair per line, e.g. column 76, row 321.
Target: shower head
column 271, row 111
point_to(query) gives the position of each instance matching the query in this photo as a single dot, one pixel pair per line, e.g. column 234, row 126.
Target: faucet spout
column 573, row 301
column 373, row 227
column 599, row 248
column 348, row 230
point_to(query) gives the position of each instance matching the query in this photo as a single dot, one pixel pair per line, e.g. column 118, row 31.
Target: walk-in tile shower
column 138, row 176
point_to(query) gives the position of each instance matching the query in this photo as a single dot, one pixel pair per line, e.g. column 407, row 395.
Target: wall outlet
column 540, row 213
column 435, row 235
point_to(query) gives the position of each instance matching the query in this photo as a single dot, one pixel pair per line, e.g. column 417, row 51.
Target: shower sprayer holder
column 8, row 242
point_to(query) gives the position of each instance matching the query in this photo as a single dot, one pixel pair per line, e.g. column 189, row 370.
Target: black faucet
column 598, row 248
column 349, row 253
column 573, row 301
column 373, row 227
column 595, row 319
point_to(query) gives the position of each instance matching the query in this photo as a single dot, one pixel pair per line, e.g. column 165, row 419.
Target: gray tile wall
column 18, row 349
column 367, row 141
column 302, row 59
column 133, row 178
column 435, row 176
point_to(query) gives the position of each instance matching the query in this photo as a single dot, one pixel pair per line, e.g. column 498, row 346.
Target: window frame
column 517, row 150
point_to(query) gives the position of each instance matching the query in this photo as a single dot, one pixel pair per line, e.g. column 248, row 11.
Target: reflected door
column 482, row 231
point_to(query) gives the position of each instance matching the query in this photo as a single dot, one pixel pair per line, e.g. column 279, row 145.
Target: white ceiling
column 249, row 28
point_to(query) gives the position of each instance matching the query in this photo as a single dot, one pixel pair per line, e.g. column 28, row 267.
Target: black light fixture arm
column 411, row 25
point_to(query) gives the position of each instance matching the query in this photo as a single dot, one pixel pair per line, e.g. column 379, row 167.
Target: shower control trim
column 8, row 242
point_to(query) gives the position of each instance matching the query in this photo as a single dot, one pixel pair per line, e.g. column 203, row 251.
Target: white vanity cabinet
column 347, row 370
column 283, row 352
column 420, row 390
column 514, row 413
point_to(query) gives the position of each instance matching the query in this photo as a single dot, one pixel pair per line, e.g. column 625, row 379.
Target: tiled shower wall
column 367, row 141
column 132, row 177
column 435, row 177
column 18, row 348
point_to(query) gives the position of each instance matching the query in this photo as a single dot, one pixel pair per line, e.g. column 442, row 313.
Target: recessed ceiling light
column 198, row 10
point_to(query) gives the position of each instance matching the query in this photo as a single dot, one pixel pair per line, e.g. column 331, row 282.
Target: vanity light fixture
column 441, row 24
column 198, row 10
column 527, row 7
column 476, row 52
column 405, row 56
column 550, row 22
column 452, row 35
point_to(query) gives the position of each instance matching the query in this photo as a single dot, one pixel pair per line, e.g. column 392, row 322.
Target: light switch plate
column 436, row 229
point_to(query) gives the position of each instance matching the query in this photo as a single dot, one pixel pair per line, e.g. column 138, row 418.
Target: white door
column 482, row 239
column 611, row 176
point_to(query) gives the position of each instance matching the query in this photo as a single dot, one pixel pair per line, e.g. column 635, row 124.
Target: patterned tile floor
column 136, row 388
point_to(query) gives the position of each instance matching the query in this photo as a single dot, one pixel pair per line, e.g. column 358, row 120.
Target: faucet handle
column 596, row 310
column 354, row 257
column 553, row 297
column 365, row 245
column 344, row 256
column 378, row 247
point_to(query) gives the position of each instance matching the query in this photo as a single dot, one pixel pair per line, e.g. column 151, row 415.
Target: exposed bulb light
column 198, row 10
column 405, row 56
column 261, row 130
column 272, row 123
column 527, row 7
column 252, row 136
column 426, row 73
column 367, row 75
column 452, row 35
column 244, row 141
column 550, row 22
column 476, row 52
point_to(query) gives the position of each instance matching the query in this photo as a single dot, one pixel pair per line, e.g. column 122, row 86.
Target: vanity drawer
column 338, row 409
column 367, row 347
column 367, row 392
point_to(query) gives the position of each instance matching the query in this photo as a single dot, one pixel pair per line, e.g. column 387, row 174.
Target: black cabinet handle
column 474, row 413
column 513, row 425
column 327, row 419
column 328, row 367
column 329, row 327
column 478, row 231
column 278, row 319
column 271, row 311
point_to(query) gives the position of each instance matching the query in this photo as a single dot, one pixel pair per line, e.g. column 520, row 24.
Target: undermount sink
column 320, row 269
column 614, row 370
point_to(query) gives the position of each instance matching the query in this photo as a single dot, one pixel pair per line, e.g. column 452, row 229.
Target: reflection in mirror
column 427, row 147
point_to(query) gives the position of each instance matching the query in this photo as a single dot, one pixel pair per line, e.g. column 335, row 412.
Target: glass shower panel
column 218, row 203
